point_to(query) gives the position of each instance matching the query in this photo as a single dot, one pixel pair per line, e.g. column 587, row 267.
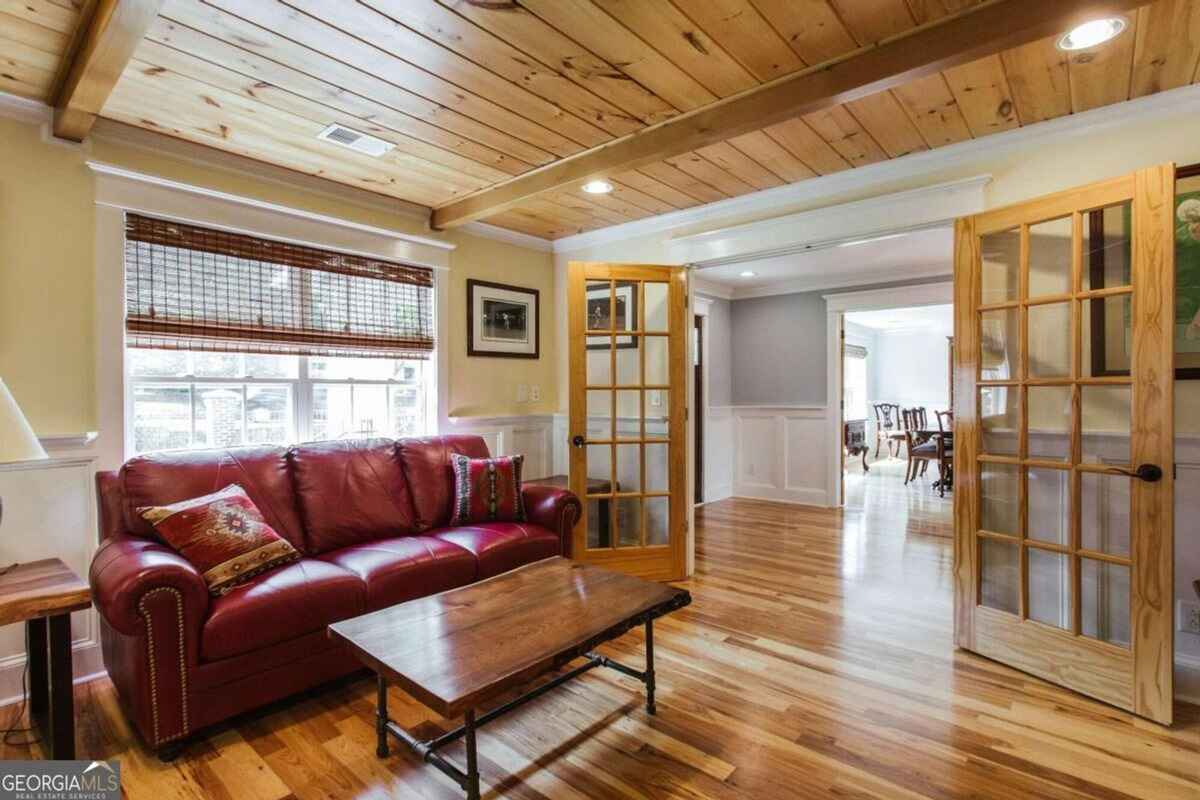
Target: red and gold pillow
column 223, row 535
column 487, row 489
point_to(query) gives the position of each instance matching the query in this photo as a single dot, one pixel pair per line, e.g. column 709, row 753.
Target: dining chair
column 887, row 427
column 921, row 450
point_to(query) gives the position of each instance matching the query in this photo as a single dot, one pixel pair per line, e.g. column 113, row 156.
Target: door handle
column 578, row 441
column 1150, row 473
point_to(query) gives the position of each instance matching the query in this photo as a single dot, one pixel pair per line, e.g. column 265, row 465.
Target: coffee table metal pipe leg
column 651, row 708
column 472, row 786
column 381, row 718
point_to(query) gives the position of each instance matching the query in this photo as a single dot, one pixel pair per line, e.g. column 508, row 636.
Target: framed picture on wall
column 620, row 314
column 1106, row 263
column 502, row 320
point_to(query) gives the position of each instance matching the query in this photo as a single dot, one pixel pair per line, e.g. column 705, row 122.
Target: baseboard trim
column 87, row 665
column 818, row 500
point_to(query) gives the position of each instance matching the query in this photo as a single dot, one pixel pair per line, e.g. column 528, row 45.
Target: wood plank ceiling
column 473, row 92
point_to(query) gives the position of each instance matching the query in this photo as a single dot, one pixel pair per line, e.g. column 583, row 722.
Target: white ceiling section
column 856, row 262
column 892, row 237
column 924, row 319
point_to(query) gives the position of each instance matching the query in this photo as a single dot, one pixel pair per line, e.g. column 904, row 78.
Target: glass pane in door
column 1000, row 274
column 1050, row 340
column 999, row 417
column 1104, row 601
column 1050, row 257
column 1050, row 588
column 1104, row 506
column 657, row 311
column 1000, row 575
column 1107, row 247
column 999, row 344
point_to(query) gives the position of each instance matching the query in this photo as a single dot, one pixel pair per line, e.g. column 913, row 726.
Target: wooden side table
column 42, row 594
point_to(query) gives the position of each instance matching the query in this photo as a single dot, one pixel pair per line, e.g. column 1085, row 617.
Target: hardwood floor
column 815, row 662
column 881, row 500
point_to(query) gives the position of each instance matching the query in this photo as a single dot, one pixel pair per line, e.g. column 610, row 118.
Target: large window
column 182, row 400
column 854, row 382
column 233, row 340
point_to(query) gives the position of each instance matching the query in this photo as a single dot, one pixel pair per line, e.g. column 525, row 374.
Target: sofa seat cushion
column 405, row 567
column 501, row 546
column 282, row 604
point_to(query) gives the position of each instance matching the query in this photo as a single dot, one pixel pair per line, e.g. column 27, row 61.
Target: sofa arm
column 125, row 570
column 553, row 508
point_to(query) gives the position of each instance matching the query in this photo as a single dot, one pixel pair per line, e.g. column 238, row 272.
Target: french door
column 1064, row 371
column 628, row 413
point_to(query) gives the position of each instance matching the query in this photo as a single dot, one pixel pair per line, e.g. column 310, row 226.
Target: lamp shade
column 17, row 441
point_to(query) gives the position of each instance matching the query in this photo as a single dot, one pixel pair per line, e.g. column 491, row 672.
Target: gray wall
column 779, row 349
column 778, row 346
column 720, row 353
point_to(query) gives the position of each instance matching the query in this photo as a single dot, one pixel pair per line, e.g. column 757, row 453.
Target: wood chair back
column 887, row 416
column 945, row 421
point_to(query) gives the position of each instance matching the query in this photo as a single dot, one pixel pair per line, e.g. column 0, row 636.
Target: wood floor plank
column 816, row 661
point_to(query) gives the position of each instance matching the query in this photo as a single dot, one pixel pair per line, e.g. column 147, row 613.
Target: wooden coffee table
column 456, row 650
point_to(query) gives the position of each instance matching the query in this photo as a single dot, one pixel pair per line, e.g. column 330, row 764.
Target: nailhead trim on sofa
column 158, row 739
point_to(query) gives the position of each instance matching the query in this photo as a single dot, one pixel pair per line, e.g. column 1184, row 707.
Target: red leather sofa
column 370, row 519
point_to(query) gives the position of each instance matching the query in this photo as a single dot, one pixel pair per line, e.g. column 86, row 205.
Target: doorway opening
column 897, row 411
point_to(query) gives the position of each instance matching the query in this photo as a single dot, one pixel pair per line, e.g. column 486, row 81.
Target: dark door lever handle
column 578, row 441
column 1145, row 472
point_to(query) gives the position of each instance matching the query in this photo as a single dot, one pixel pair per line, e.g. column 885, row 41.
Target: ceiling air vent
column 355, row 140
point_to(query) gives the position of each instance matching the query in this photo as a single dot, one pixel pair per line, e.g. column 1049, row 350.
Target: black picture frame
column 1095, row 267
column 481, row 347
column 600, row 294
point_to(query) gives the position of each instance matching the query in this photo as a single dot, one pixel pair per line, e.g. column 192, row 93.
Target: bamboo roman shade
column 194, row 288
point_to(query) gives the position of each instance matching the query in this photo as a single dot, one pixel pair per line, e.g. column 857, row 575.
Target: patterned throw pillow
column 487, row 489
column 223, row 535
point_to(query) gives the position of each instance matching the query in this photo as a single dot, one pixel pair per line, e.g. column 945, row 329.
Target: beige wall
column 47, row 292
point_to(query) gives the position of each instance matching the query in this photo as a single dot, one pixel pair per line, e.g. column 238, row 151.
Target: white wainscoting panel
column 531, row 436
column 780, row 453
column 719, row 453
column 49, row 512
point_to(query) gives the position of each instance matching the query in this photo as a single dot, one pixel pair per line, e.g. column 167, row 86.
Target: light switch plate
column 522, row 392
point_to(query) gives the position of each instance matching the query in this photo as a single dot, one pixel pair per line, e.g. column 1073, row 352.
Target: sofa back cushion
column 430, row 473
column 351, row 492
column 161, row 479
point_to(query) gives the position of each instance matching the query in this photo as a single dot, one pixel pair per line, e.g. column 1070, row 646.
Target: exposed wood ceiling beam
column 99, row 54
column 959, row 39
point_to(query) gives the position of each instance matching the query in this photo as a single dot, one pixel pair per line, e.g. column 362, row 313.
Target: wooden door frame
column 836, row 307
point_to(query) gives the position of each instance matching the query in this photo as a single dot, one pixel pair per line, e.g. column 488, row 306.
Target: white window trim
column 118, row 191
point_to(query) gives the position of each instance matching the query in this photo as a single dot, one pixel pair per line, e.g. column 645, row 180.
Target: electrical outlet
column 1188, row 615
column 535, row 393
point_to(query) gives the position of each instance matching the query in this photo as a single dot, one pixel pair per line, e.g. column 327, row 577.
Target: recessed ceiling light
column 597, row 187
column 747, row 273
column 1091, row 34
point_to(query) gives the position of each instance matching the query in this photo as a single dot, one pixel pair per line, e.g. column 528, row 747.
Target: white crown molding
column 924, row 294
column 23, row 109
column 528, row 241
column 201, row 155
column 137, row 191
column 1183, row 101
column 822, row 228
column 827, row 282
